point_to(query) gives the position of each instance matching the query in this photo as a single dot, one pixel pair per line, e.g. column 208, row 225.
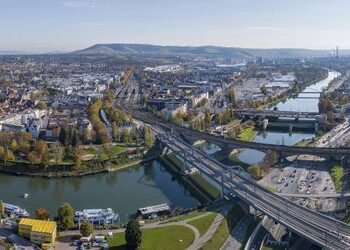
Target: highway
column 323, row 230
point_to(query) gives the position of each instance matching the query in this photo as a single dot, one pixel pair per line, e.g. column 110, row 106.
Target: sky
column 67, row 25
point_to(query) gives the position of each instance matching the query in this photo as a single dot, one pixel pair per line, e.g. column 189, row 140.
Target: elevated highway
column 321, row 229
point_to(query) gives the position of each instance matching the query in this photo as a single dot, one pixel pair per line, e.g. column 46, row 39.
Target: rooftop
column 41, row 226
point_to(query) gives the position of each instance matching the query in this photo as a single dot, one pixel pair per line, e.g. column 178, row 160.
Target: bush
column 255, row 171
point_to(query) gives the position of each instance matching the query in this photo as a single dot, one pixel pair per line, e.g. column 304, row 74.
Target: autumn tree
column 78, row 157
column 271, row 158
column 149, row 139
column 42, row 214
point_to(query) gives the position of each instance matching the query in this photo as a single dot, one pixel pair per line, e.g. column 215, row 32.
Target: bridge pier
column 344, row 161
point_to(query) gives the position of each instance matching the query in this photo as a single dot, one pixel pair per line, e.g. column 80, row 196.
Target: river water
column 250, row 156
column 125, row 190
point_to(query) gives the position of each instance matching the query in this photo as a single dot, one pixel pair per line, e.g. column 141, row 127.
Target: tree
column 263, row 90
column 133, row 235
column 75, row 139
column 32, row 157
column 2, row 209
column 41, row 105
column 42, row 151
column 24, row 147
column 77, row 157
column 125, row 136
column 86, row 229
column 13, row 144
column 8, row 155
column 62, row 136
column 65, row 215
column 330, row 116
column 42, row 214
column 255, row 171
column 115, row 131
column 149, row 140
column 231, row 96
column 271, row 158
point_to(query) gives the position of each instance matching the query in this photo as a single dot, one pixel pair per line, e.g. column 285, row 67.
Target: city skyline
column 68, row 25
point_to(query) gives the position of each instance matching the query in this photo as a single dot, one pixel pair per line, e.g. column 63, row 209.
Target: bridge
column 265, row 113
column 320, row 229
column 339, row 153
column 310, row 196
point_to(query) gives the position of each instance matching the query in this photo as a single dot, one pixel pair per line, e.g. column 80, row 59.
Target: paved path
column 237, row 235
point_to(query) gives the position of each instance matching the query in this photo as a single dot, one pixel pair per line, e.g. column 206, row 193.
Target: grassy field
column 223, row 231
column 337, row 173
column 188, row 216
column 272, row 189
column 248, row 134
column 203, row 224
column 172, row 237
column 305, row 142
column 219, row 237
column 105, row 151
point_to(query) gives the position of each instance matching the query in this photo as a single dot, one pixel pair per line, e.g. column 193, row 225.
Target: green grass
column 337, row 173
column 248, row 134
column 219, row 237
column 172, row 237
column 272, row 189
column 188, row 216
column 203, row 224
column 305, row 142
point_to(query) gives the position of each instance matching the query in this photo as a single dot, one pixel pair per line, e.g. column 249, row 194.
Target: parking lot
column 304, row 177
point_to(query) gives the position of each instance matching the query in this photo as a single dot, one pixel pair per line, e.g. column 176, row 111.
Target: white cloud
column 79, row 3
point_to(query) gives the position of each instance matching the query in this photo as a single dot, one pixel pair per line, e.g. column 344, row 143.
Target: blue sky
column 46, row 25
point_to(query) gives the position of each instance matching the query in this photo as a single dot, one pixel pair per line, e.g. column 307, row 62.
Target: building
column 40, row 232
column 34, row 127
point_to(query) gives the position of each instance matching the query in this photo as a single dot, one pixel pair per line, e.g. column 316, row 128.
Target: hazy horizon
column 69, row 25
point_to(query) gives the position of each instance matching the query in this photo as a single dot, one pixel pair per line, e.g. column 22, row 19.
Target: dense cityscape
column 128, row 145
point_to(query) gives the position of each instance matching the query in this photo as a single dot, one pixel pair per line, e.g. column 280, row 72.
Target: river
column 250, row 156
column 125, row 190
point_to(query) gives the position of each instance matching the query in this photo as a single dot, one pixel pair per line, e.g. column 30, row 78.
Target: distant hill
column 12, row 52
column 147, row 49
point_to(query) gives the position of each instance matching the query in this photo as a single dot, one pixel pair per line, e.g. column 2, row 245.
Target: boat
column 154, row 211
column 25, row 195
column 15, row 210
column 96, row 216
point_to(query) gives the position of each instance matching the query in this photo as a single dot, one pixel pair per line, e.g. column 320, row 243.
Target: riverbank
column 89, row 167
column 10, row 170
column 197, row 184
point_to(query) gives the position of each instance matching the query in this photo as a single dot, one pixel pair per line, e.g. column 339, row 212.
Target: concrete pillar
column 222, row 185
column 343, row 161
